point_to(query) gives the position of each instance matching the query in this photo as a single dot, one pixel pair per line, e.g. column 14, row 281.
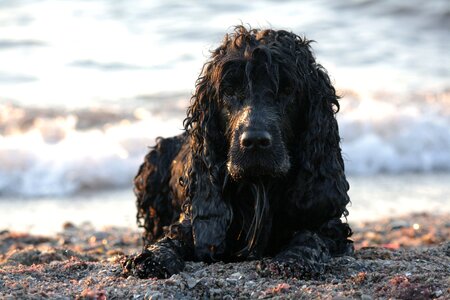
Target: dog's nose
column 256, row 139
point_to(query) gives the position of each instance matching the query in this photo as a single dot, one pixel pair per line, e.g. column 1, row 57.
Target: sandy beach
column 396, row 258
column 87, row 86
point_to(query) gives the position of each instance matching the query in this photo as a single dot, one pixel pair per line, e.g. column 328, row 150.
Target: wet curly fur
column 258, row 171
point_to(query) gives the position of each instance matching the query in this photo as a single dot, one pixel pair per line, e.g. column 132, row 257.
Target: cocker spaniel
column 258, row 171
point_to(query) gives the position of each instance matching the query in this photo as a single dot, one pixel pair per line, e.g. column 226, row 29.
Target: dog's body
column 258, row 171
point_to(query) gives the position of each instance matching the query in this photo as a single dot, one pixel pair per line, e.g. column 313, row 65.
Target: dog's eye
column 240, row 93
column 232, row 92
column 228, row 91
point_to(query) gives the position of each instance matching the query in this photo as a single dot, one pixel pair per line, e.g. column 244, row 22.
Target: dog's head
column 254, row 97
column 257, row 101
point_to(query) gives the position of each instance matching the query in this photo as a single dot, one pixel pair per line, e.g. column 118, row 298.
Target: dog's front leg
column 165, row 257
column 304, row 257
column 211, row 217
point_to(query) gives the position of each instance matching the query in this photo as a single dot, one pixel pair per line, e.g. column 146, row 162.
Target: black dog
column 258, row 171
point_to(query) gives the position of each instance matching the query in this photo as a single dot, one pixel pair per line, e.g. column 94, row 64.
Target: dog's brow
column 230, row 71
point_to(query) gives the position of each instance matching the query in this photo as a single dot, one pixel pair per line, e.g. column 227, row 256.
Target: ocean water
column 86, row 87
column 372, row 197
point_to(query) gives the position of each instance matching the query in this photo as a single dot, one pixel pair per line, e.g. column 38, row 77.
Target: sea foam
column 54, row 155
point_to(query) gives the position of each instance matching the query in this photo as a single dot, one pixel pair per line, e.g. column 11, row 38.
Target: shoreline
column 374, row 197
column 399, row 257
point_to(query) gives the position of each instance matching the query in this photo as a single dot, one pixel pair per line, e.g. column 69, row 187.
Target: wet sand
column 402, row 258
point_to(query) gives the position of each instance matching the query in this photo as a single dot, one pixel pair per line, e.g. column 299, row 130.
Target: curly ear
column 322, row 167
column 210, row 214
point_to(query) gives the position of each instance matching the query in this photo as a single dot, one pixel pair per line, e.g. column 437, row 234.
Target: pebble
column 221, row 282
column 68, row 225
column 335, row 281
column 253, row 276
column 215, row 292
column 192, row 282
column 100, row 235
column 152, row 295
column 65, row 241
column 177, row 295
column 254, row 294
column 399, row 224
column 250, row 283
column 174, row 280
column 200, row 273
column 235, row 277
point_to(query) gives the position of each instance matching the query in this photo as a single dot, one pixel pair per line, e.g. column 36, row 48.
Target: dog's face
column 258, row 108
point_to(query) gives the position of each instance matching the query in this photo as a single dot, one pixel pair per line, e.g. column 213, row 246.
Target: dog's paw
column 144, row 265
column 290, row 269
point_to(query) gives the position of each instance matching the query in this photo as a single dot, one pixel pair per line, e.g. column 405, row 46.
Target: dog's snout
column 256, row 139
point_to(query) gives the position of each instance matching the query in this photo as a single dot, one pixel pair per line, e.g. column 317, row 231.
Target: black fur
column 258, row 171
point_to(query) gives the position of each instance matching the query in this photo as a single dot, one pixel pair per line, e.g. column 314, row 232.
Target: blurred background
column 86, row 86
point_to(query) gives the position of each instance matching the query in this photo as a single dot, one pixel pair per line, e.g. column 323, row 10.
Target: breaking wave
column 48, row 152
column 51, row 156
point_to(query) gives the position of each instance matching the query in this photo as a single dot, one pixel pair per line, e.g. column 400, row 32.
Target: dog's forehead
column 256, row 76
column 268, row 59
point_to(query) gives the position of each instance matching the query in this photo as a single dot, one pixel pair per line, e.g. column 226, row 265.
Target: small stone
column 68, row 226
column 100, row 235
column 348, row 259
column 365, row 297
column 335, row 281
column 174, row 280
column 155, row 296
column 235, row 277
column 192, row 282
column 396, row 225
column 221, row 283
column 152, row 295
column 175, row 277
column 250, row 283
column 179, row 295
column 254, row 294
column 237, row 274
column 215, row 292
column 200, row 273
column 253, row 276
